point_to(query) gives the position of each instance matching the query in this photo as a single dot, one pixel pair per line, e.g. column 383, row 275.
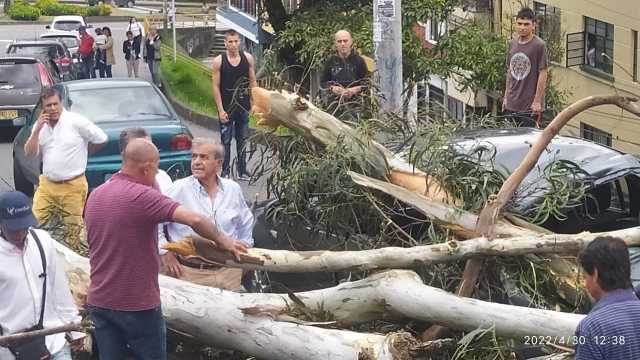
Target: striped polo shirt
column 611, row 331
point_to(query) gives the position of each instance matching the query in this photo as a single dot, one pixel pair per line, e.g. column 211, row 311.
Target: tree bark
column 248, row 322
column 396, row 257
column 13, row 338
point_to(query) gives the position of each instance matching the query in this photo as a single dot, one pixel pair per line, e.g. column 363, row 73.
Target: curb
column 189, row 114
column 90, row 19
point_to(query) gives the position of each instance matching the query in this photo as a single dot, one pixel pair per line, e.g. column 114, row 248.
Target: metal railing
column 249, row 7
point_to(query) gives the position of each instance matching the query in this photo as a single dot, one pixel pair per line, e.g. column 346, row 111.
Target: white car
column 67, row 23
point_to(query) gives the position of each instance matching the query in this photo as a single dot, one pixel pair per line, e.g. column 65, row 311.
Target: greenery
column 54, row 8
column 189, row 81
column 21, row 10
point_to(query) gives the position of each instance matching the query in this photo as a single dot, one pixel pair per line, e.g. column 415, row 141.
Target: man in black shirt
column 232, row 76
column 345, row 73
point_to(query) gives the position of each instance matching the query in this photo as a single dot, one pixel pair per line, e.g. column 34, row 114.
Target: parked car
column 68, row 23
column 52, row 51
column 113, row 105
column 70, row 40
column 21, row 82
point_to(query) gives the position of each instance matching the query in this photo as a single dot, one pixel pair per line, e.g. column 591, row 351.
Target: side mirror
column 48, row 27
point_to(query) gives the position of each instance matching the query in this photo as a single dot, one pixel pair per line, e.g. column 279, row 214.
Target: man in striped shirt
column 611, row 331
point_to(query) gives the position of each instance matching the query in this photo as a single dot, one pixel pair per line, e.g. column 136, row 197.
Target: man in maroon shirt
column 85, row 49
column 122, row 218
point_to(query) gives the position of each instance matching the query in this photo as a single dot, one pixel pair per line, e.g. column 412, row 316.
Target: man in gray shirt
column 526, row 72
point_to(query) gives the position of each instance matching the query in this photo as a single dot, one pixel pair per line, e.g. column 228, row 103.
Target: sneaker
column 244, row 177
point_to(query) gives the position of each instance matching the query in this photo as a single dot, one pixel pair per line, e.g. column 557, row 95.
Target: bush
column 49, row 7
column 100, row 10
column 21, row 10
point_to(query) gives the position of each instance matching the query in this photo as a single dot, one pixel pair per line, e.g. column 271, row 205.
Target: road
column 22, row 32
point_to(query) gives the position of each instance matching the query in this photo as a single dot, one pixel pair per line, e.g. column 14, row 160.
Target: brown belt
column 65, row 181
column 197, row 264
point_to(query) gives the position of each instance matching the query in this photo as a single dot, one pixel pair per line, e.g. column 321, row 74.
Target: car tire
column 20, row 181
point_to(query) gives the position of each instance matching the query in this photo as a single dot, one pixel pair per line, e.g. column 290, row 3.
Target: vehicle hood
column 18, row 97
column 599, row 163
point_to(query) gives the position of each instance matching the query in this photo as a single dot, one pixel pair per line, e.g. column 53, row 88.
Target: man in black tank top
column 232, row 76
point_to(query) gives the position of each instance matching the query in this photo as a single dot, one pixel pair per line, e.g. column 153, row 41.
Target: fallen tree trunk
column 233, row 320
column 395, row 257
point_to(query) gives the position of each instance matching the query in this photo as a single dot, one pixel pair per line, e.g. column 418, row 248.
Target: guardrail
column 167, row 52
column 193, row 20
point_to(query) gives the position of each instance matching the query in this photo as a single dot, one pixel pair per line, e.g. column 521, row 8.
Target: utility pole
column 173, row 21
column 387, row 38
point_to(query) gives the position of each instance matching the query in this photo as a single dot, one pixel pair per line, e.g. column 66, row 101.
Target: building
column 596, row 54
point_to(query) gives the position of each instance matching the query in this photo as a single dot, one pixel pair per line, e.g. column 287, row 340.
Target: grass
column 189, row 81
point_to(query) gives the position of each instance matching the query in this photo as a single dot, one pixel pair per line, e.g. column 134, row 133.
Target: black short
column 522, row 118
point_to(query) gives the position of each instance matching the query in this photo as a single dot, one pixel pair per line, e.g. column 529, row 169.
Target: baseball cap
column 15, row 211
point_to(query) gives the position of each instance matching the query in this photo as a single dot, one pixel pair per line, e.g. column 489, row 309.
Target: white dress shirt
column 64, row 148
column 228, row 210
column 164, row 183
column 21, row 291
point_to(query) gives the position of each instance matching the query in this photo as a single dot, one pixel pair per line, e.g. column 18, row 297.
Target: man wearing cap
column 64, row 139
column 21, row 277
column 85, row 49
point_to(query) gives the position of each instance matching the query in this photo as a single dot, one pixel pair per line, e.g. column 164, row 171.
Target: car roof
column 601, row 164
column 68, row 18
column 110, row 83
column 36, row 42
column 23, row 59
column 58, row 33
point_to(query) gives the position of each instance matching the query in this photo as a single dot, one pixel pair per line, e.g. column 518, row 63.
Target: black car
column 21, row 82
column 52, row 51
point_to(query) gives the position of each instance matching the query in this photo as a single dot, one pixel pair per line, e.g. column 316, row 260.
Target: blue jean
column 237, row 125
column 87, row 69
column 141, row 333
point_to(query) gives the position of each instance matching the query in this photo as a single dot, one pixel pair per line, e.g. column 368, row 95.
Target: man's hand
column 536, row 106
column 77, row 345
column 234, row 247
column 223, row 116
column 337, row 89
column 171, row 264
column 42, row 119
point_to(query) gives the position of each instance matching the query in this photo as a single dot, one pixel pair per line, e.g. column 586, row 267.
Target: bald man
column 344, row 75
column 122, row 217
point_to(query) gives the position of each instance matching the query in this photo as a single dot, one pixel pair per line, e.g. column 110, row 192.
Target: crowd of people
column 97, row 56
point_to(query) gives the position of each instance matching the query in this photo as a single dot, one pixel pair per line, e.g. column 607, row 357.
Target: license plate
column 8, row 114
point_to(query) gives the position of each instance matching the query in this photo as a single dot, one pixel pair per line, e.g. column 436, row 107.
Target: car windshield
column 18, row 76
column 36, row 50
column 119, row 104
column 71, row 25
column 69, row 41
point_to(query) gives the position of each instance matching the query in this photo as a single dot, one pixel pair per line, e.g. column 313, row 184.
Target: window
column 434, row 30
column 548, row 28
column 456, row 108
column 598, row 45
column 594, row 134
column 634, row 47
column 436, row 102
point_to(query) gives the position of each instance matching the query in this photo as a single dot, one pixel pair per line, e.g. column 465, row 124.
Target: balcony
column 242, row 16
column 248, row 7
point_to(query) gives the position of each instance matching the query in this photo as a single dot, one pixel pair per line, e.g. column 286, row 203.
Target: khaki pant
column 132, row 66
column 222, row 278
column 56, row 204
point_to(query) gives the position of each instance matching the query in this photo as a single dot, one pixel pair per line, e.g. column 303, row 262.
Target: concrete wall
column 625, row 16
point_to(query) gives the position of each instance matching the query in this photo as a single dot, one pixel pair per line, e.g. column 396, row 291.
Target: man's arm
column 506, row 81
column 95, row 136
column 32, row 147
column 205, row 228
column 536, row 106
column 252, row 70
column 215, row 83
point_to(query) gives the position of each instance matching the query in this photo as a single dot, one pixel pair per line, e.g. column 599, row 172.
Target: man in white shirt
column 21, row 280
column 65, row 140
column 217, row 198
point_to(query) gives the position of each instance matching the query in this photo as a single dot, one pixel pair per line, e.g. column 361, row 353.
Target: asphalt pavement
column 118, row 29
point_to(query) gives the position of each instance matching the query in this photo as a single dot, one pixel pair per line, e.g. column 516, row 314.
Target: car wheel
column 20, row 181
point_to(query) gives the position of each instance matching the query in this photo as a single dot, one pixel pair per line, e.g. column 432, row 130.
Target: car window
column 19, row 76
column 51, row 51
column 70, row 42
column 67, row 25
column 119, row 104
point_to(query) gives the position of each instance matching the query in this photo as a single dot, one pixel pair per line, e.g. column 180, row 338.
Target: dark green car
column 113, row 104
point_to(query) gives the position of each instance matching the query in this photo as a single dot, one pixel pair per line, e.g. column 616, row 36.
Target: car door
column 26, row 168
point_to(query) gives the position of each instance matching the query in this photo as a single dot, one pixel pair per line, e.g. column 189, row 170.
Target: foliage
column 54, row 8
column 189, row 82
column 482, row 343
column 71, row 235
column 21, row 10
